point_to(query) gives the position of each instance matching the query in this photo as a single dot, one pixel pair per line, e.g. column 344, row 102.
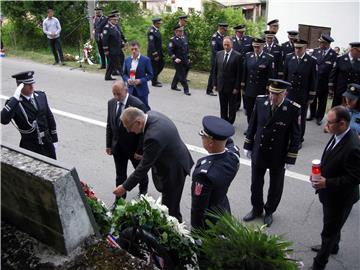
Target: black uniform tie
column 226, row 59
column 32, row 100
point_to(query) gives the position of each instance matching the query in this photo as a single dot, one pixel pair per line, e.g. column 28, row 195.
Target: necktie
column 32, row 100
column 226, row 59
column 331, row 146
column 119, row 108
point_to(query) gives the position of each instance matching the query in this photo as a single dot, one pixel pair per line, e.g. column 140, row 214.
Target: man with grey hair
column 163, row 152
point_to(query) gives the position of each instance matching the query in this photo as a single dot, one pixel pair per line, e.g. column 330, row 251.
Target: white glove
column 247, row 153
column 288, row 166
column 17, row 92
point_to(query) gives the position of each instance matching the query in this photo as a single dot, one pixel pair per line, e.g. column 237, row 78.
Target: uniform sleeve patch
column 198, row 189
column 151, row 37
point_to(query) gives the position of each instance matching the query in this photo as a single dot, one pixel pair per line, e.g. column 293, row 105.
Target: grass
column 198, row 80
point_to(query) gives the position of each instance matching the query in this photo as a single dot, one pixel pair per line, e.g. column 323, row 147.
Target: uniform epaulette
column 249, row 52
column 261, row 96
column 314, row 57
column 205, row 165
column 172, row 38
column 295, row 104
column 289, row 53
column 270, row 55
column 214, row 35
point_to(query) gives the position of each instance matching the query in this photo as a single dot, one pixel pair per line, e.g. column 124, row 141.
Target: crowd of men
column 276, row 82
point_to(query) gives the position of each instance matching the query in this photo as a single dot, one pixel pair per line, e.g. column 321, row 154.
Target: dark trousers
column 304, row 108
column 171, row 193
column 275, row 188
column 114, row 64
column 157, row 66
column 46, row 149
column 337, row 100
column 334, row 219
column 318, row 107
column 180, row 76
column 210, row 84
column 249, row 103
column 144, row 99
column 55, row 46
column 228, row 106
column 238, row 100
column 101, row 52
column 121, row 163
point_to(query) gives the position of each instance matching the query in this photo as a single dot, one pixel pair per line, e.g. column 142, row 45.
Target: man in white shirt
column 52, row 29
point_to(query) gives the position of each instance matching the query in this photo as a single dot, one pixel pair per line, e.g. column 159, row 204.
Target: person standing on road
column 272, row 142
column 214, row 173
column 52, row 29
column 99, row 24
column 183, row 20
column 338, row 185
column 154, row 51
column 163, row 152
column 33, row 118
column 122, row 145
column 275, row 50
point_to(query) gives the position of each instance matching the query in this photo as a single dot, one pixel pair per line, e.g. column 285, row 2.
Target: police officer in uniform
column 30, row 113
column 99, row 24
column 352, row 98
column 275, row 50
column 214, row 173
column 183, row 22
column 346, row 70
column 216, row 46
column 154, row 50
column 288, row 46
column 300, row 69
column 325, row 57
column 274, row 27
column 272, row 142
column 258, row 68
column 178, row 53
column 112, row 44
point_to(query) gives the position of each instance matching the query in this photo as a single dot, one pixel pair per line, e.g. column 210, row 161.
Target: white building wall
column 342, row 16
column 185, row 5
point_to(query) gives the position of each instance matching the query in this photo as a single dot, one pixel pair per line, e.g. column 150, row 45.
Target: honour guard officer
column 154, row 50
column 325, row 57
column 216, row 46
column 272, row 142
column 214, row 173
column 178, row 53
column 112, row 44
column 352, row 98
column 183, row 22
column 300, row 69
column 275, row 50
column 346, row 70
column 257, row 70
column 99, row 24
column 288, row 46
column 274, row 27
column 33, row 118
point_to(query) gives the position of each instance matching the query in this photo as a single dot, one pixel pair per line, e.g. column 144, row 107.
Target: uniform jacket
column 227, row 76
column 276, row 51
column 154, row 43
column 178, row 49
column 211, row 180
column 243, row 45
column 216, row 45
column 273, row 138
column 256, row 73
column 112, row 39
column 340, row 167
column 185, row 38
column 325, row 64
column 143, row 72
column 24, row 114
column 287, row 48
column 355, row 121
column 99, row 24
column 117, row 138
column 163, row 151
column 343, row 73
column 302, row 76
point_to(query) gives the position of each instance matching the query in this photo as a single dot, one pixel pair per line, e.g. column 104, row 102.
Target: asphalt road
column 76, row 93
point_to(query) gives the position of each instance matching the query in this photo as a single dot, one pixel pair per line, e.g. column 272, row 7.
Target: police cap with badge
column 25, row 77
column 353, row 91
column 216, row 128
column 256, row 42
column 240, row 28
column 299, row 43
column 178, row 28
column 183, row 17
column 223, row 25
column 156, row 20
column 273, row 22
column 278, row 86
column 355, row 45
column 293, row 33
column 325, row 38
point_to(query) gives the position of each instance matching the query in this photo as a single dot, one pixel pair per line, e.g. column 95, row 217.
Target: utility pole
column 91, row 7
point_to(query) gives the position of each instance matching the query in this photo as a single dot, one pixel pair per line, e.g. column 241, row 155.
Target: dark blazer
column 276, row 51
column 227, row 77
column 144, row 72
column 242, row 46
column 325, row 64
column 287, row 48
column 117, row 138
column 273, row 138
column 112, row 39
column 341, row 168
column 163, row 151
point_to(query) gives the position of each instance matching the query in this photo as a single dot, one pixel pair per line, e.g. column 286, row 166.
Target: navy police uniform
column 185, row 38
column 353, row 92
column 288, row 46
column 177, row 49
column 274, row 22
column 33, row 118
column 99, row 24
column 154, row 51
column 214, row 173
column 276, row 51
column 345, row 70
column 273, row 137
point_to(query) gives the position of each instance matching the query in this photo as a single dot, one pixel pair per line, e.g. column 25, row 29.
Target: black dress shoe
column 156, row 84
column 300, row 146
column 55, row 63
column 176, row 89
column 110, row 79
column 310, row 118
column 317, row 248
column 268, row 219
column 102, row 68
column 319, row 122
column 252, row 215
column 187, row 93
column 211, row 94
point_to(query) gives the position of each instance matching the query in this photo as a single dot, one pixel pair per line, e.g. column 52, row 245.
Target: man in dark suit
column 300, row 69
column 325, row 57
column 338, row 185
column 122, row 145
column 99, row 23
column 163, row 152
column 33, row 118
column 271, row 142
column 137, row 73
column 216, row 46
column 154, row 51
column 227, row 74
column 346, row 70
